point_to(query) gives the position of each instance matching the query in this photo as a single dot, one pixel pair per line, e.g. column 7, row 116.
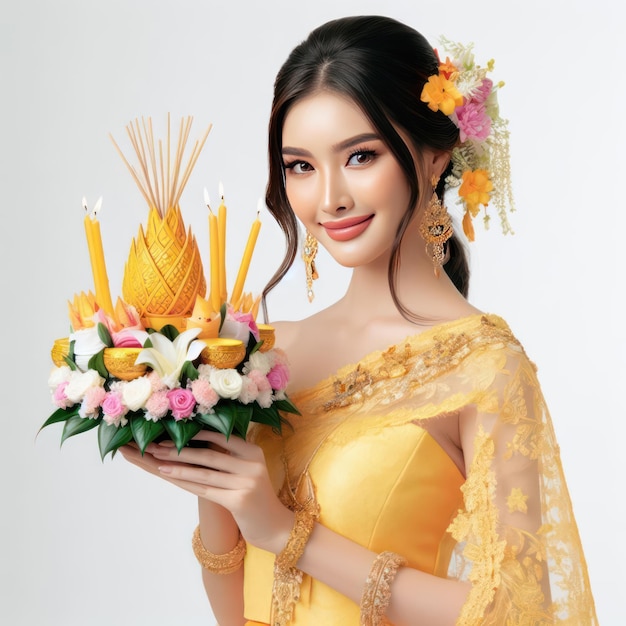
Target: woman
column 421, row 485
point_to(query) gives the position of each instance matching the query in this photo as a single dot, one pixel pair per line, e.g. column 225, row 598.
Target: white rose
column 260, row 361
column 87, row 344
column 135, row 393
column 232, row 329
column 227, row 383
column 80, row 382
column 58, row 375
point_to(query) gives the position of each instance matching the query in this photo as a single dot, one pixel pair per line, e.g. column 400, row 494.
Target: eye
column 298, row 167
column 361, row 157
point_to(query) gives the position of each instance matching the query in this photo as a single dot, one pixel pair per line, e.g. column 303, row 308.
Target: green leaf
column 76, row 425
column 96, row 362
column 169, row 331
column 71, row 363
column 243, row 415
column 257, row 345
column 216, row 422
column 145, row 431
column 181, row 431
column 188, row 372
column 60, row 415
column 223, row 310
column 110, row 438
column 287, row 406
column 269, row 416
column 104, row 335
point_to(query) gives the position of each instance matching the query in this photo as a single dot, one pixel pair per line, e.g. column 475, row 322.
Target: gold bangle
column 287, row 578
column 218, row 563
column 377, row 591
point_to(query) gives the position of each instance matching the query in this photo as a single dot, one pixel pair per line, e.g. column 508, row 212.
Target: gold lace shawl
column 516, row 537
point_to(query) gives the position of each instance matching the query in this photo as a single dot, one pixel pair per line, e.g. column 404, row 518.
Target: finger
column 204, row 457
column 235, row 445
column 203, row 477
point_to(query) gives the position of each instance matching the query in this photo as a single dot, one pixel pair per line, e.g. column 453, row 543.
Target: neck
column 418, row 289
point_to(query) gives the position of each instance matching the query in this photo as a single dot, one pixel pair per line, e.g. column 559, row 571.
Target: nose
column 335, row 196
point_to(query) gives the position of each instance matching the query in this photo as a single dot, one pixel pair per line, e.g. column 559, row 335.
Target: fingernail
column 165, row 469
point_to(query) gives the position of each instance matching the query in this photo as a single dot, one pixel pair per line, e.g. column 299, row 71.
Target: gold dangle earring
column 309, row 251
column 436, row 228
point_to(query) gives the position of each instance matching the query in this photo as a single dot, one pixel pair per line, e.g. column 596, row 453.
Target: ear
column 436, row 162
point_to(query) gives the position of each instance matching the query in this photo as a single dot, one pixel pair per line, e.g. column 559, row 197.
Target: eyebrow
column 338, row 147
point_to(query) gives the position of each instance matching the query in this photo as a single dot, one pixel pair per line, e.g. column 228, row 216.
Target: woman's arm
column 238, row 481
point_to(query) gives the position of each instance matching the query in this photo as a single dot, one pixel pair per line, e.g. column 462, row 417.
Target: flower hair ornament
column 480, row 161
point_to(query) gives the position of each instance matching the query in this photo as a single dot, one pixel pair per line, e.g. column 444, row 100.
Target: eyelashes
column 359, row 156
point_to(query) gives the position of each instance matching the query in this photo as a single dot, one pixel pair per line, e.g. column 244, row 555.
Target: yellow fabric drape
column 383, row 481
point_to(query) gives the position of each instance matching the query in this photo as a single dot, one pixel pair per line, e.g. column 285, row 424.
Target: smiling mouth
column 346, row 229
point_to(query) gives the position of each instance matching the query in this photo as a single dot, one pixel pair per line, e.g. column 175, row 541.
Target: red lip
column 348, row 228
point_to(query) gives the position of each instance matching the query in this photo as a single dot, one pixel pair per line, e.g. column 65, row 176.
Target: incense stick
column 160, row 177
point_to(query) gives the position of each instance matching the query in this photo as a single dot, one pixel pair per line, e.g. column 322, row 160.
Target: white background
column 85, row 542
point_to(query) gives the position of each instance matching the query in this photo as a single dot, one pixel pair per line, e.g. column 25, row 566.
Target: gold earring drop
column 436, row 228
column 308, row 254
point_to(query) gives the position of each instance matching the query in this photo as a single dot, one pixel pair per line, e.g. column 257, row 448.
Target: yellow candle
column 221, row 232
column 96, row 256
column 215, row 282
column 245, row 261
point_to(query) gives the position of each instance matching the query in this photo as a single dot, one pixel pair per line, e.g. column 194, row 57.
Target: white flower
column 58, row 375
column 227, row 383
column 79, row 382
column 135, row 393
column 232, row 329
column 87, row 343
column 167, row 357
column 261, row 361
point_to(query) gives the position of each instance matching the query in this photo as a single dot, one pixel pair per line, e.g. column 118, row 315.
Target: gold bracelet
column 287, row 578
column 377, row 591
column 218, row 563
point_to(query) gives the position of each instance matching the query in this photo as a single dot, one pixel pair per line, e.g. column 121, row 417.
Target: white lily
column 167, row 357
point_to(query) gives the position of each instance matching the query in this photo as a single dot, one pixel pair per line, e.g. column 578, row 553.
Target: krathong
column 167, row 360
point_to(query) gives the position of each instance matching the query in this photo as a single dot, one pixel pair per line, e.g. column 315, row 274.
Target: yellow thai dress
column 380, row 479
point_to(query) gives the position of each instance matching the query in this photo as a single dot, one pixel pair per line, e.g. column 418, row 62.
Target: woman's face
column 342, row 181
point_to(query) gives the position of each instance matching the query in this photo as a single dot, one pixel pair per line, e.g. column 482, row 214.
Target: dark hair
column 382, row 66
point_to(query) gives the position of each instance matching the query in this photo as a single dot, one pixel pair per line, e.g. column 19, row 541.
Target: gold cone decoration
column 163, row 274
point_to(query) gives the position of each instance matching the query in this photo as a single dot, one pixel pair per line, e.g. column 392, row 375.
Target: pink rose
column 182, row 403
column 91, row 402
column 157, row 405
column 59, row 398
column 204, row 394
column 278, row 376
column 113, row 408
column 473, row 121
column 248, row 319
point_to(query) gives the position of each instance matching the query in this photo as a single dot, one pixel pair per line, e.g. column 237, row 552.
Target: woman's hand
column 231, row 473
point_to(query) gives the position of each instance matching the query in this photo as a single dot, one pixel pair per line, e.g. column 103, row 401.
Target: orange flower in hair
column 475, row 190
column 440, row 94
column 448, row 69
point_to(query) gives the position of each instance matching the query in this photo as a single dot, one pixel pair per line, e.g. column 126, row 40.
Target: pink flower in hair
column 473, row 122
column 481, row 93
